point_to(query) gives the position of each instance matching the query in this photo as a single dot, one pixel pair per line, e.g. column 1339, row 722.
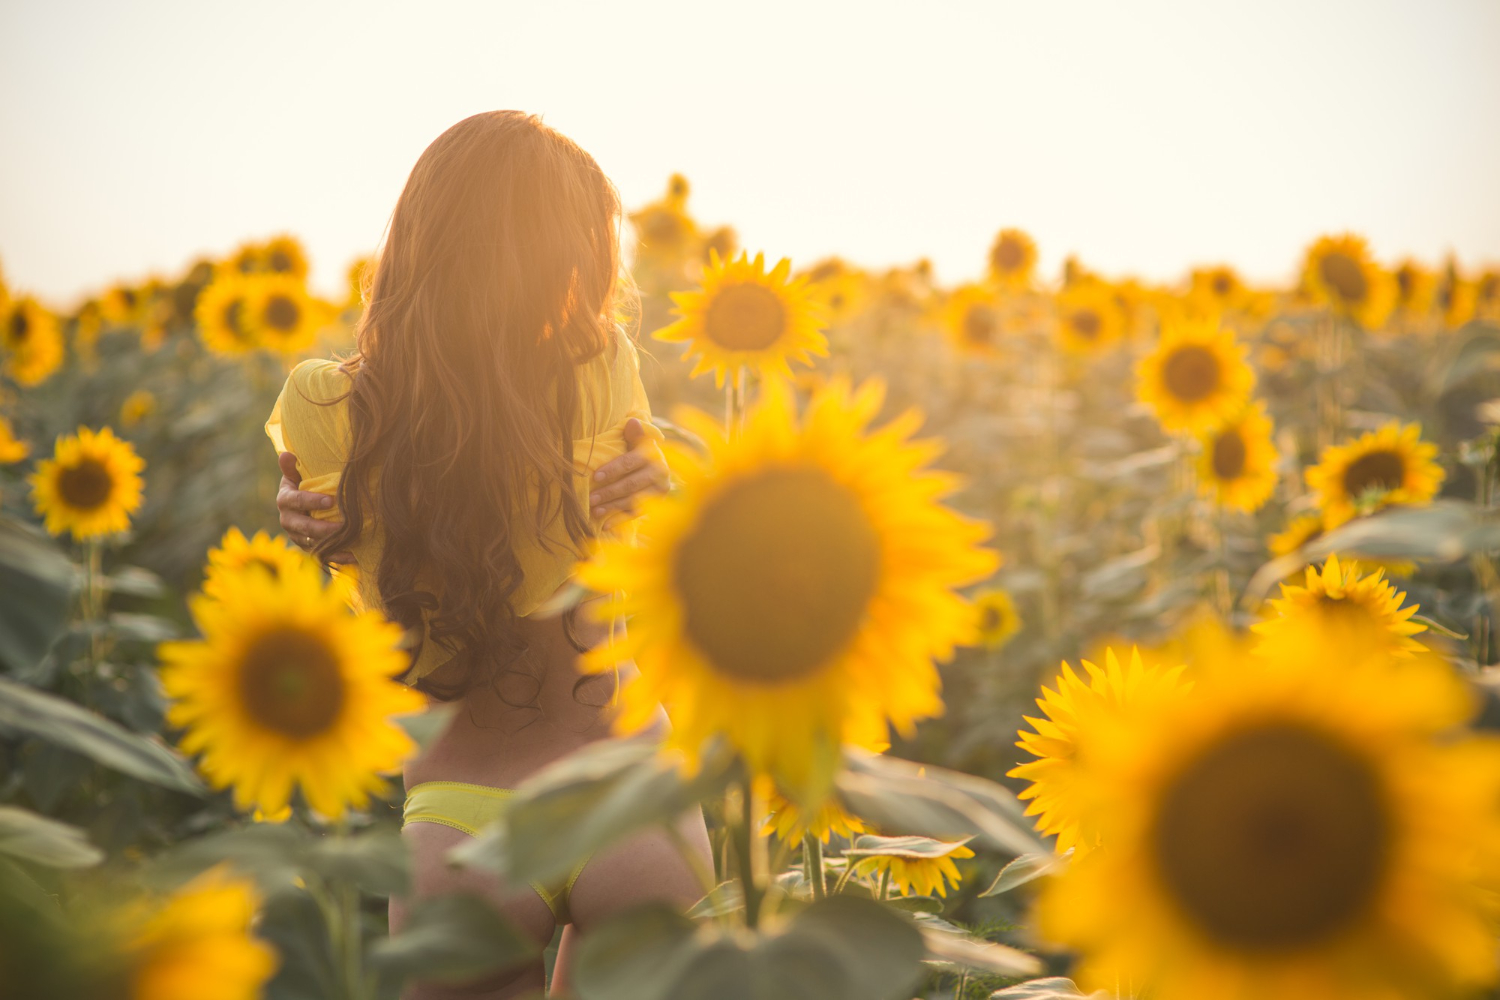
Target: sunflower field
column 1042, row 636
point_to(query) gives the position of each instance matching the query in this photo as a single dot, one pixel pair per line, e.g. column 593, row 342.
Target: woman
column 491, row 406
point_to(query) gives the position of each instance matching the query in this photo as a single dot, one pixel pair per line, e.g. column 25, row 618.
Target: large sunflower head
column 288, row 688
column 31, row 341
column 1060, row 737
column 1340, row 273
column 223, row 314
column 1237, row 466
column 795, row 592
column 1013, row 259
column 1392, row 465
column 972, row 320
column 1089, row 318
column 996, row 620
column 90, row 486
column 281, row 315
column 236, row 554
column 744, row 316
column 196, row 945
column 1344, row 601
column 1197, row 377
column 1309, row 825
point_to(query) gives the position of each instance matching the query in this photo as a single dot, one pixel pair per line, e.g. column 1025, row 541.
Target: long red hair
column 495, row 282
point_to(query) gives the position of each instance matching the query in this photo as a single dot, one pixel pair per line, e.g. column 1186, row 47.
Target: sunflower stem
column 745, row 843
column 885, row 885
column 812, row 859
column 93, row 597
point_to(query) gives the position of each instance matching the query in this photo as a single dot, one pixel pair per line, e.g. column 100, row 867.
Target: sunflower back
column 495, row 282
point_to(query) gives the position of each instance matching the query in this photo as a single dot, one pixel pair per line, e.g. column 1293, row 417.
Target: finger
column 288, row 463
column 292, row 499
column 636, row 482
column 300, row 526
column 633, row 432
column 617, row 468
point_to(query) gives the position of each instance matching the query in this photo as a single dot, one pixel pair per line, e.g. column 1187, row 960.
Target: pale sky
column 1144, row 136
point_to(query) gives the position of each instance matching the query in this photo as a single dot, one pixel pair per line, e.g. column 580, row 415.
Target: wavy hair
column 495, row 281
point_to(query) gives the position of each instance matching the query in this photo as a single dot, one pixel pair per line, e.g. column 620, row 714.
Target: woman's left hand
column 620, row 482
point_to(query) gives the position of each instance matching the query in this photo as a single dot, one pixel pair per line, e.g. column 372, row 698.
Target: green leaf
column 43, row 841
column 134, row 581
column 1025, row 868
column 838, row 948
column 901, row 797
column 870, row 846
column 1051, row 988
column 376, row 861
column 17, row 887
column 916, row 904
column 273, row 854
column 452, row 939
column 142, row 628
column 587, row 801
column 424, row 727
column 36, row 589
column 965, row 951
column 59, row 721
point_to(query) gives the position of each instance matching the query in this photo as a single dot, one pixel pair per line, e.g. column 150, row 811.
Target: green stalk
column 745, row 842
column 812, row 859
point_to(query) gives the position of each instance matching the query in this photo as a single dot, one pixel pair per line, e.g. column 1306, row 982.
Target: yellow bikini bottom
column 470, row 808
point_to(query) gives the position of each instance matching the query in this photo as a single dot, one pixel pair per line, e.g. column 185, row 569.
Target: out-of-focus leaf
column 142, row 628
column 451, row 939
column 916, row 904
column 869, row 845
column 134, row 581
column 1131, row 464
column 59, row 721
column 36, row 588
column 424, row 727
column 17, row 887
column 1121, row 574
column 376, row 861
column 1051, row 988
column 901, row 797
column 29, row 837
column 273, row 854
column 1476, row 354
column 965, row 951
column 1025, row 868
column 838, row 948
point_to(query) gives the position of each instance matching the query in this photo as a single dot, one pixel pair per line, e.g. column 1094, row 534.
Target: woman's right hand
column 296, row 506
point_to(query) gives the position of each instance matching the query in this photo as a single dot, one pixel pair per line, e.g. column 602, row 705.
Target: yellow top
column 611, row 393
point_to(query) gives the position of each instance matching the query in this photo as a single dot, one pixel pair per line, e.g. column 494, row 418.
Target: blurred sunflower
column 121, row 305
column 1196, row 378
column 743, row 316
column 287, row 687
column 1013, row 259
column 360, row 274
column 1058, row 798
column 88, row 323
column 795, row 591
column 1380, row 468
column 284, row 255
column 790, row 823
column 30, row 341
column 90, row 486
column 996, row 618
column 235, row 553
column 1299, row 531
column 1219, row 288
column 223, row 314
column 1487, row 294
column 915, row 866
column 280, row 314
column 1340, row 273
column 12, row 448
column 1456, row 298
column 197, row 945
column 1343, row 601
column 972, row 319
column 723, row 241
column 1089, row 318
column 1307, row 827
column 841, row 288
column 665, row 233
column 137, row 407
column 1237, row 466
column 1416, row 289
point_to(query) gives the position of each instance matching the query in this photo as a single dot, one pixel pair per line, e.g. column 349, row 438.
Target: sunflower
column 12, row 448
column 790, row 823
column 972, row 319
column 284, row 255
column 88, row 323
column 1219, row 288
column 235, row 553
column 843, row 289
column 1416, row 289
column 665, row 233
column 197, row 945
column 995, row 617
column 794, row 597
column 1089, row 317
column 926, row 870
column 743, row 316
column 223, row 316
column 30, row 342
column 1487, row 294
column 1307, row 826
column 287, row 687
column 121, row 305
column 90, row 486
column 1390, row 466
column 1339, row 272
column 358, row 278
column 1237, row 466
column 1457, row 298
column 1196, row 378
column 1340, row 599
column 137, row 407
column 280, row 314
column 1303, row 528
column 1013, row 259
column 1071, row 712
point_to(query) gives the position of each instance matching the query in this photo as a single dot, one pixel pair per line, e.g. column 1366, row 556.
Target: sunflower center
column 745, row 317
column 1375, row 470
column 86, row 485
column 282, row 313
column 1274, row 839
column 980, row 325
column 279, row 261
column 1343, row 274
column 1229, row 455
column 1223, row 284
column 1008, row 255
column 1406, row 282
column 1086, row 323
column 1191, row 373
column 290, row 682
column 989, row 619
column 777, row 575
column 20, row 327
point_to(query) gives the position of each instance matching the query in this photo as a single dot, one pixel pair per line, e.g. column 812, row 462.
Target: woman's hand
column 620, row 482
column 295, row 507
